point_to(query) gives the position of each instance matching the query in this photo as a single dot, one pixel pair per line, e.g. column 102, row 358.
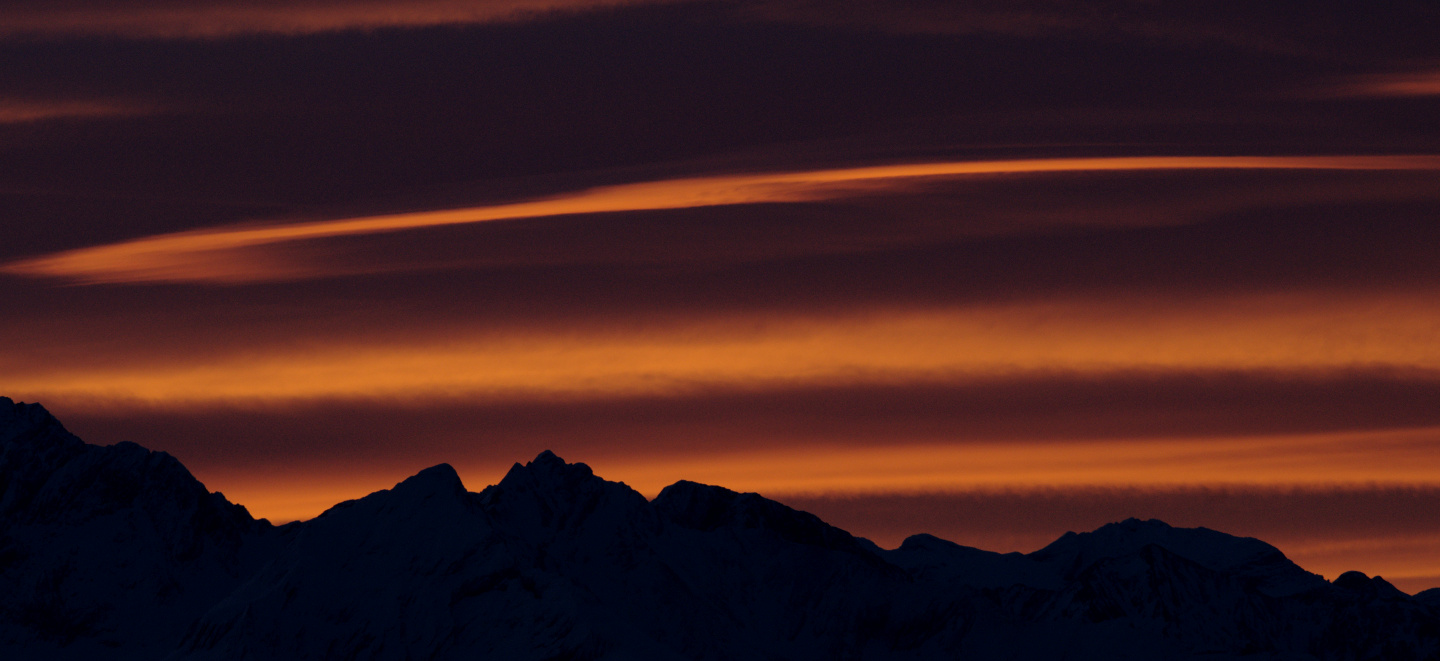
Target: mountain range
column 118, row 552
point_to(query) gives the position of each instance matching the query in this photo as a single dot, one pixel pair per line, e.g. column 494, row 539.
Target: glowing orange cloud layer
column 226, row 254
column 1265, row 332
column 201, row 20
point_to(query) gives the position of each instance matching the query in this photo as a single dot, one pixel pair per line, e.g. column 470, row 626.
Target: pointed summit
column 547, row 495
column 11, row 409
column 549, row 470
column 435, row 491
column 31, row 422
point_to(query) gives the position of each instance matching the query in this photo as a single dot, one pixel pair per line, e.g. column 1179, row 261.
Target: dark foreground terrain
column 119, row 553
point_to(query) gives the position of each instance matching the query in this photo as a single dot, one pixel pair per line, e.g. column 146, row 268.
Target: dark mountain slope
column 108, row 548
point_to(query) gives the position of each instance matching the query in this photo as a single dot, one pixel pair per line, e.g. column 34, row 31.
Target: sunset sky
column 991, row 270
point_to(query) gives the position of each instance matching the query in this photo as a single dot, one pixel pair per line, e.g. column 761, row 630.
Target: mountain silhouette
column 117, row 552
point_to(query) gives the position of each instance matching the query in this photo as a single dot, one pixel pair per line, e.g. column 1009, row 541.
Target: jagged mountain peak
column 549, row 494
column 1371, row 587
column 430, row 494
column 1216, row 551
column 925, row 541
column 548, row 470
column 20, row 421
column 1208, row 547
column 549, row 458
column 706, row 507
column 13, row 410
column 440, row 479
column 10, row 408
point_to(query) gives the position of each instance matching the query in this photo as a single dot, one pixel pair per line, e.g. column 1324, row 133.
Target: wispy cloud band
column 1414, row 83
column 222, row 254
column 15, row 110
column 229, row 18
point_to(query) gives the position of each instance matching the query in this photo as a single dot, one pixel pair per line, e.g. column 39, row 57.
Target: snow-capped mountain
column 118, row 553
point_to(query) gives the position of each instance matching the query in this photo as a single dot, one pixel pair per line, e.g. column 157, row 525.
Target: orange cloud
column 1252, row 332
column 1416, row 83
column 205, row 20
column 228, row 254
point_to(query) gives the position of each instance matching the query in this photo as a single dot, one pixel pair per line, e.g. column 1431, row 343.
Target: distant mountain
column 118, row 553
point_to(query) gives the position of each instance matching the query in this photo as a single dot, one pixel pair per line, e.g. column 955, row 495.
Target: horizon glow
column 945, row 268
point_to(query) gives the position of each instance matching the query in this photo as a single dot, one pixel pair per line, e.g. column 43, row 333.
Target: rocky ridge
column 117, row 552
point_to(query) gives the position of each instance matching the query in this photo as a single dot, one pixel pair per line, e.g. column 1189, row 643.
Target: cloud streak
column 230, row 18
column 24, row 110
column 230, row 255
column 1408, row 84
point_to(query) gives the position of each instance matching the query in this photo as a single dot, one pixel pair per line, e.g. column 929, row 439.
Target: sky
column 993, row 272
